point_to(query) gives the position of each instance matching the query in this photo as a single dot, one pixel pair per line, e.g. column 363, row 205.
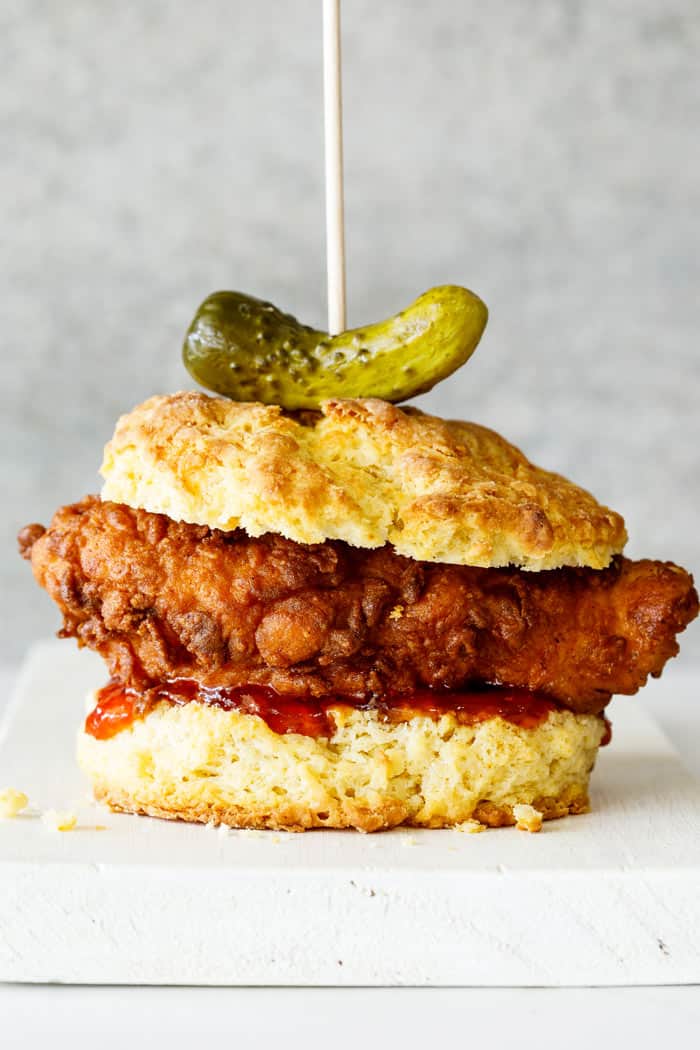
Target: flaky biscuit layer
column 200, row 763
column 361, row 471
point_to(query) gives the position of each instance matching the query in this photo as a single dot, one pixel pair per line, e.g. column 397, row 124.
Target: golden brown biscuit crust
column 341, row 816
column 362, row 471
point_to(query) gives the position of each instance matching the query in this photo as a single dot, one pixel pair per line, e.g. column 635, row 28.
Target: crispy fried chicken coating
column 161, row 599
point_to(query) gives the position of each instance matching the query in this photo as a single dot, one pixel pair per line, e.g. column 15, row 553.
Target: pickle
column 249, row 350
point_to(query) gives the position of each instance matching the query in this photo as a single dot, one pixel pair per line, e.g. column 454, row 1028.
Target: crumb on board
column 59, row 820
column 527, row 818
column 396, row 613
column 471, row 827
column 12, row 803
column 409, row 840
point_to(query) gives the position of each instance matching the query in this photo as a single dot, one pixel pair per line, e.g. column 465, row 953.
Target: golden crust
column 361, row 471
column 200, row 763
column 342, row 816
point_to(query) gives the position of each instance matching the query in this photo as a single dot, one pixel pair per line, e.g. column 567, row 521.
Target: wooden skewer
column 333, row 121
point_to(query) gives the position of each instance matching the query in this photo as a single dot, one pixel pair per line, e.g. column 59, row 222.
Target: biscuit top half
column 361, row 471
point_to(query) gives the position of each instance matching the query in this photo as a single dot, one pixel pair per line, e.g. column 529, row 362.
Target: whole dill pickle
column 249, row 350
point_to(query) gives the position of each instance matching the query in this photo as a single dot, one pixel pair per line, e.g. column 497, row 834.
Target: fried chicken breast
column 161, row 599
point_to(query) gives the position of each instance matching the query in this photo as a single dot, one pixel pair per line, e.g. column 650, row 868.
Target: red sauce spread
column 118, row 706
column 115, row 709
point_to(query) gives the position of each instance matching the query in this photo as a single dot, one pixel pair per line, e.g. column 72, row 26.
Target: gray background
column 544, row 153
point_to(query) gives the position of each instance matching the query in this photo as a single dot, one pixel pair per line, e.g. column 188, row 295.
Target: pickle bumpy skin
column 248, row 350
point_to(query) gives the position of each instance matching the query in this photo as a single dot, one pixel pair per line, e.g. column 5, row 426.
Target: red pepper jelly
column 118, row 706
column 115, row 710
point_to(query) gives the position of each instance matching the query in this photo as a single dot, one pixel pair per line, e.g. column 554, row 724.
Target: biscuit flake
column 59, row 820
column 527, row 818
column 12, row 803
column 471, row 827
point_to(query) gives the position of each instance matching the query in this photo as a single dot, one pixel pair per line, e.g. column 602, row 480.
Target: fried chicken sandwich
column 359, row 617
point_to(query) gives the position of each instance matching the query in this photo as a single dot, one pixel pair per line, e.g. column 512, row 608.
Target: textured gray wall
column 544, row 153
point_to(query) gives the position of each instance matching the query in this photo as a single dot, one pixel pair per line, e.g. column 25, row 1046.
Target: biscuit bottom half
column 197, row 762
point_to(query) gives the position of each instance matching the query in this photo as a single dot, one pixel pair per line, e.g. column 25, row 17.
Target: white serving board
column 612, row 897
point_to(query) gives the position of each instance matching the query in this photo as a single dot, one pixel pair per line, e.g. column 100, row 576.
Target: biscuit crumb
column 472, row 827
column 396, row 613
column 59, row 820
column 527, row 818
column 409, row 840
column 12, row 802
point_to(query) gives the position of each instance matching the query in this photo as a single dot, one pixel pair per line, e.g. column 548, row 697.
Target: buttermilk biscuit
column 200, row 763
column 362, row 471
